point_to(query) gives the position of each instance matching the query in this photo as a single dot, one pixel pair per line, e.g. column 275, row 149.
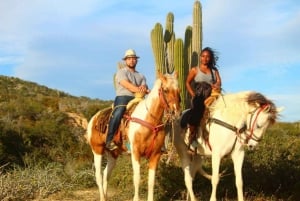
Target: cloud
column 256, row 30
column 75, row 46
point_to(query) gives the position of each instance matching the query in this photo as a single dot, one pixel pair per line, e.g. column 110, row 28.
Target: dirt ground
column 91, row 194
column 80, row 195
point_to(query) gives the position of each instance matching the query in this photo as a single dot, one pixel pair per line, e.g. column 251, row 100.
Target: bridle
column 247, row 131
column 168, row 116
column 250, row 135
column 168, row 112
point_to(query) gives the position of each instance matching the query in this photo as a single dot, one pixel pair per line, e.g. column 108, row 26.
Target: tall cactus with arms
column 158, row 47
column 173, row 54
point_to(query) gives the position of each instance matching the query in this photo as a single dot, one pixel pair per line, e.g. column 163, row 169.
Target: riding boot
column 111, row 146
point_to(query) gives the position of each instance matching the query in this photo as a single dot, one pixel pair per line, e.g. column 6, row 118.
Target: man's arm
column 131, row 87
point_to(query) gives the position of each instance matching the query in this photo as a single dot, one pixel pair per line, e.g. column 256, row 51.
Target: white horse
column 235, row 121
column 145, row 130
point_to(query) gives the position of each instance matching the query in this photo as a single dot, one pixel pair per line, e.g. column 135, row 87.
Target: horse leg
column 136, row 176
column 216, row 159
column 111, row 163
column 98, row 175
column 238, row 158
column 186, row 164
column 188, row 180
column 153, row 163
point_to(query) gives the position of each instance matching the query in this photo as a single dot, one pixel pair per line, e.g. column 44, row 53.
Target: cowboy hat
column 130, row 53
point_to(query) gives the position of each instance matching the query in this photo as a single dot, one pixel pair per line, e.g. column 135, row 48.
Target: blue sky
column 74, row 46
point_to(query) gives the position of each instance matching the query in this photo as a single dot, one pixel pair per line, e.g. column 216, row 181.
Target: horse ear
column 279, row 109
column 161, row 76
column 176, row 74
column 267, row 108
column 158, row 74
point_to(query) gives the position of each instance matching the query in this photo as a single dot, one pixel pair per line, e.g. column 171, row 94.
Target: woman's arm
column 218, row 83
column 189, row 79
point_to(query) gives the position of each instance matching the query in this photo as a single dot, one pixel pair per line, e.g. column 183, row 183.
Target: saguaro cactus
column 179, row 67
column 169, row 39
column 171, row 53
column 158, row 47
column 197, row 33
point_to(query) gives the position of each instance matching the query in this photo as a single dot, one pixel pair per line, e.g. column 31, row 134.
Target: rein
column 226, row 125
column 163, row 99
column 243, row 129
column 252, row 135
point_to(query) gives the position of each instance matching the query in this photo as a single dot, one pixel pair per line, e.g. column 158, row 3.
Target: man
column 128, row 82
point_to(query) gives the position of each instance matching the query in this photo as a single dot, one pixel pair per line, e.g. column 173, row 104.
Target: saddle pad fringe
column 103, row 119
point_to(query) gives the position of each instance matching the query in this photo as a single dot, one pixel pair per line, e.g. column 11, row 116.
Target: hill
column 44, row 155
column 39, row 122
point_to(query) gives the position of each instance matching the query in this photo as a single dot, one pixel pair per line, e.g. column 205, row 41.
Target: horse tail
column 88, row 134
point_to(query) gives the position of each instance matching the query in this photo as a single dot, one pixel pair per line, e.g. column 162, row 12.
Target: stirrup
column 111, row 146
column 192, row 147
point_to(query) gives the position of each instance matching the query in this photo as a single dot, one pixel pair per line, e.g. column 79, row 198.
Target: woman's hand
column 216, row 86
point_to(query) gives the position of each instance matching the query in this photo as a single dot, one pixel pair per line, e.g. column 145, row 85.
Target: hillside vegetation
column 43, row 151
column 41, row 125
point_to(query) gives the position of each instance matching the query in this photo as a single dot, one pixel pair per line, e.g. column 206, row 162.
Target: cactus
column 197, row 34
column 172, row 54
column 169, row 39
column 188, row 47
column 169, row 27
column 119, row 66
column 179, row 67
column 158, row 48
column 169, row 59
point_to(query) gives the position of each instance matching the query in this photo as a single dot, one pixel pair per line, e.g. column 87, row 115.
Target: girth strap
column 155, row 129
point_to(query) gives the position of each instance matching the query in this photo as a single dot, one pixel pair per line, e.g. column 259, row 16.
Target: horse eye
column 259, row 126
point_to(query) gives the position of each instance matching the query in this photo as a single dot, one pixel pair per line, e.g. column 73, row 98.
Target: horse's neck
column 154, row 107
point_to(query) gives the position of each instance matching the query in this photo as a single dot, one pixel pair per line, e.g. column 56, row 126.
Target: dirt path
column 80, row 195
column 91, row 194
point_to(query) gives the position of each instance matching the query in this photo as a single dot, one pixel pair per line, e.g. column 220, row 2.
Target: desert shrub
column 31, row 182
column 40, row 181
column 274, row 168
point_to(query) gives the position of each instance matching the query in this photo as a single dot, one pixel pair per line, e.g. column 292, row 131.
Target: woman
column 206, row 78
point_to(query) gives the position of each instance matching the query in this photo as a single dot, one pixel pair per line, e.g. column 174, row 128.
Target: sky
column 75, row 46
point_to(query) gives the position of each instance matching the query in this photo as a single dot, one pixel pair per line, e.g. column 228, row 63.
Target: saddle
column 215, row 93
column 103, row 118
column 192, row 132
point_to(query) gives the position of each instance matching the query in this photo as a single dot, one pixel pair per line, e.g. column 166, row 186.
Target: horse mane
column 255, row 98
column 155, row 88
column 237, row 103
column 159, row 81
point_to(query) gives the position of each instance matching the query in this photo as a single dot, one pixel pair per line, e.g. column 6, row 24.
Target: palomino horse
column 145, row 130
column 235, row 121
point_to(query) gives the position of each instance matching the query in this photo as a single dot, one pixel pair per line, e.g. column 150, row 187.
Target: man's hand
column 143, row 89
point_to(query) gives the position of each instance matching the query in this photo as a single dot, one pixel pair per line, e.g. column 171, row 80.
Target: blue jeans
column 116, row 116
